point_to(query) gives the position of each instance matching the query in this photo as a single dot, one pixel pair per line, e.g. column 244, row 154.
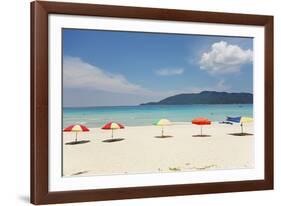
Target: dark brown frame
column 39, row 102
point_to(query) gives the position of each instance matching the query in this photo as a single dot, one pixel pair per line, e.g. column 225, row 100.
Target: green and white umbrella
column 162, row 123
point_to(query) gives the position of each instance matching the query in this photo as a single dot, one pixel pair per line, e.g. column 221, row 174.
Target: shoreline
column 173, row 124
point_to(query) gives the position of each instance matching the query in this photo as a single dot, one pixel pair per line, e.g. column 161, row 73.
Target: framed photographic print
column 131, row 102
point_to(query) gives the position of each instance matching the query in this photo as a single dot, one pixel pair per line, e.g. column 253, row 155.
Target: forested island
column 206, row 97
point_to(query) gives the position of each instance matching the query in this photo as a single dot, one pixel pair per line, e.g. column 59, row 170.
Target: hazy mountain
column 206, row 97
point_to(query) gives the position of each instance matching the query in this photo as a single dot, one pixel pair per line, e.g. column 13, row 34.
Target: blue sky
column 105, row 68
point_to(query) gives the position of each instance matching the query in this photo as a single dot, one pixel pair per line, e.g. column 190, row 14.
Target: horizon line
column 69, row 107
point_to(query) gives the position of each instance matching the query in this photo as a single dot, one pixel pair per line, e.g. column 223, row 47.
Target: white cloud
column 169, row 72
column 225, row 58
column 79, row 74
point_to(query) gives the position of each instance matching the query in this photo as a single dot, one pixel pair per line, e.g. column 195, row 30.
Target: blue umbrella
column 236, row 120
column 233, row 119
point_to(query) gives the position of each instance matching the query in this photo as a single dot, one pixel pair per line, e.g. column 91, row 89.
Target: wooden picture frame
column 40, row 193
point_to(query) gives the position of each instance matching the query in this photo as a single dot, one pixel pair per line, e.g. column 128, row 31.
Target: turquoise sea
column 146, row 115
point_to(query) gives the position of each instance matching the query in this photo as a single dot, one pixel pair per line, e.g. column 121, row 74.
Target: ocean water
column 146, row 115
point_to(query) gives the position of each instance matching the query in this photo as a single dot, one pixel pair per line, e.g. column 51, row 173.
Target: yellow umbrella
column 162, row 123
column 244, row 120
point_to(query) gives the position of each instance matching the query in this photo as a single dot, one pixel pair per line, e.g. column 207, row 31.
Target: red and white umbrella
column 201, row 121
column 76, row 128
column 112, row 126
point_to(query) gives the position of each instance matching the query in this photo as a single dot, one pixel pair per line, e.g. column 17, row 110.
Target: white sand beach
column 140, row 150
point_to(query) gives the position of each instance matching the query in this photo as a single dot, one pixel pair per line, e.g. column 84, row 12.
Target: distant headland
column 206, row 97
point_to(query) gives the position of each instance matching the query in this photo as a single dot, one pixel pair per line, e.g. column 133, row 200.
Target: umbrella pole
column 111, row 133
column 242, row 128
column 201, row 129
column 162, row 132
column 75, row 136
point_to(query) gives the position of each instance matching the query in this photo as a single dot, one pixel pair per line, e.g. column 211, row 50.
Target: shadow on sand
column 113, row 140
column 240, row 134
column 163, row 137
column 77, row 142
column 201, row 135
column 80, row 173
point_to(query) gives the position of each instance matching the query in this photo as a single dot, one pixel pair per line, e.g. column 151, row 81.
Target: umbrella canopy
column 246, row 120
column 233, row 119
column 201, row 121
column 76, row 128
column 163, row 122
column 240, row 119
column 112, row 126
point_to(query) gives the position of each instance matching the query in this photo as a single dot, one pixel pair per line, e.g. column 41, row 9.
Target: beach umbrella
column 112, row 126
column 201, row 121
column 240, row 120
column 233, row 119
column 162, row 123
column 76, row 128
column 244, row 120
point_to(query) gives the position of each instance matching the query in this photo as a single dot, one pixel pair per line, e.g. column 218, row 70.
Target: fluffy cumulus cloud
column 225, row 58
column 169, row 72
column 79, row 74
